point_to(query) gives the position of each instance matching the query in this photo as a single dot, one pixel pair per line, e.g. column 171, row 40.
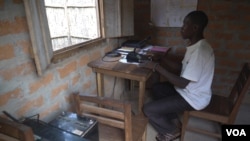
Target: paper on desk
column 124, row 60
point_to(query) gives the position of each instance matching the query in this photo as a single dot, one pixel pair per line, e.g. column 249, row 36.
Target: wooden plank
column 128, row 122
column 127, row 20
column 106, row 121
column 204, row 132
column 16, row 130
column 142, row 87
column 4, row 137
column 99, row 81
column 101, row 100
column 102, row 111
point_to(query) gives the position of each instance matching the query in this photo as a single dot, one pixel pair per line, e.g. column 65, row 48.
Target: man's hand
column 148, row 64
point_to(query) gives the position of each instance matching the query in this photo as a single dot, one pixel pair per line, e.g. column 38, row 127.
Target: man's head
column 194, row 24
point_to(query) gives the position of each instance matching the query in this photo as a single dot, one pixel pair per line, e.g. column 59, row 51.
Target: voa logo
column 236, row 132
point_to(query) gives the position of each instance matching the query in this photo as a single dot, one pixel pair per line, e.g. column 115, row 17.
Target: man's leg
column 161, row 90
column 162, row 111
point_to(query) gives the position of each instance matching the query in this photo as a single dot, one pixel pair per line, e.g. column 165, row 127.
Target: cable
column 113, row 54
column 109, row 61
column 36, row 115
column 10, row 116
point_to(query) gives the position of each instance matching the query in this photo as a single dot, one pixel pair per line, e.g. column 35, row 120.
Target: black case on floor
column 45, row 132
column 81, row 126
column 65, row 127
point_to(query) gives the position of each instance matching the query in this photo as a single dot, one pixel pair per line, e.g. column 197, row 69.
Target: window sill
column 71, row 51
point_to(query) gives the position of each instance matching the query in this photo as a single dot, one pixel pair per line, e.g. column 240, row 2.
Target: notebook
column 159, row 49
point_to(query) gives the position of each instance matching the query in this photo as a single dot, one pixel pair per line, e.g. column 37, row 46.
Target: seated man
column 190, row 89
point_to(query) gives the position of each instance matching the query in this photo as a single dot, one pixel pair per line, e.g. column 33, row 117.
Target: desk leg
column 99, row 81
column 141, row 95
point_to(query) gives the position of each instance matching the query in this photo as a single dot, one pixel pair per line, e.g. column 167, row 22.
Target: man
column 191, row 90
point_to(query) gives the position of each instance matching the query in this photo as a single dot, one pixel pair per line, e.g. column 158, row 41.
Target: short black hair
column 198, row 17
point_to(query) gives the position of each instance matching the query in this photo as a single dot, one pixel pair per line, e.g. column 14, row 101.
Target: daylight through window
column 72, row 21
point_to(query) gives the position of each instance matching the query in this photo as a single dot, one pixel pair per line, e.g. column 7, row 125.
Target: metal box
column 81, row 126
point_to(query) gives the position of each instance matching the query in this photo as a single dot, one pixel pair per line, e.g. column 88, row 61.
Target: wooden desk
column 122, row 70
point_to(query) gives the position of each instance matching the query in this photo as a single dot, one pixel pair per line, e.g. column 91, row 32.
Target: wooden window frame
column 42, row 51
column 119, row 25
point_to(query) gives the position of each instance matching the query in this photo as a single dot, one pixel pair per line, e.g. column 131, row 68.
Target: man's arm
column 172, row 78
column 172, row 63
column 170, row 68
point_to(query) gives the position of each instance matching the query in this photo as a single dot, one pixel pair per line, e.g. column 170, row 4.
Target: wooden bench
column 111, row 113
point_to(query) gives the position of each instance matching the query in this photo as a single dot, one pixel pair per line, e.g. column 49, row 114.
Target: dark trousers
column 167, row 103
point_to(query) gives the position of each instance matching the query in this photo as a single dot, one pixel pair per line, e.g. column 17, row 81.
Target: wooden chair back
column 239, row 90
column 222, row 110
column 15, row 131
column 112, row 113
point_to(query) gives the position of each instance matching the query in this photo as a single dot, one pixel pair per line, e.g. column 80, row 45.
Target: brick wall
column 22, row 92
column 228, row 32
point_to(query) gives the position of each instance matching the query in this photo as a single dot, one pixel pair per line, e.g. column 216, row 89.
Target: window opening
column 72, row 22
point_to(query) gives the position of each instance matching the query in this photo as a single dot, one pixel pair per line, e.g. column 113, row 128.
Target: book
column 126, row 49
column 159, row 49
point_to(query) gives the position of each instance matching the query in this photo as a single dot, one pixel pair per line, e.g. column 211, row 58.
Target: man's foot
column 167, row 136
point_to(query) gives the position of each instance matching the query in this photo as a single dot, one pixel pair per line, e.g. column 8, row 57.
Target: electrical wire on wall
column 113, row 90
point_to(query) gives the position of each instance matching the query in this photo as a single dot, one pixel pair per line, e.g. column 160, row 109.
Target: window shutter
column 118, row 18
column 39, row 34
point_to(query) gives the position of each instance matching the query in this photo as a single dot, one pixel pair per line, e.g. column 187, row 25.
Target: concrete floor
column 242, row 118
